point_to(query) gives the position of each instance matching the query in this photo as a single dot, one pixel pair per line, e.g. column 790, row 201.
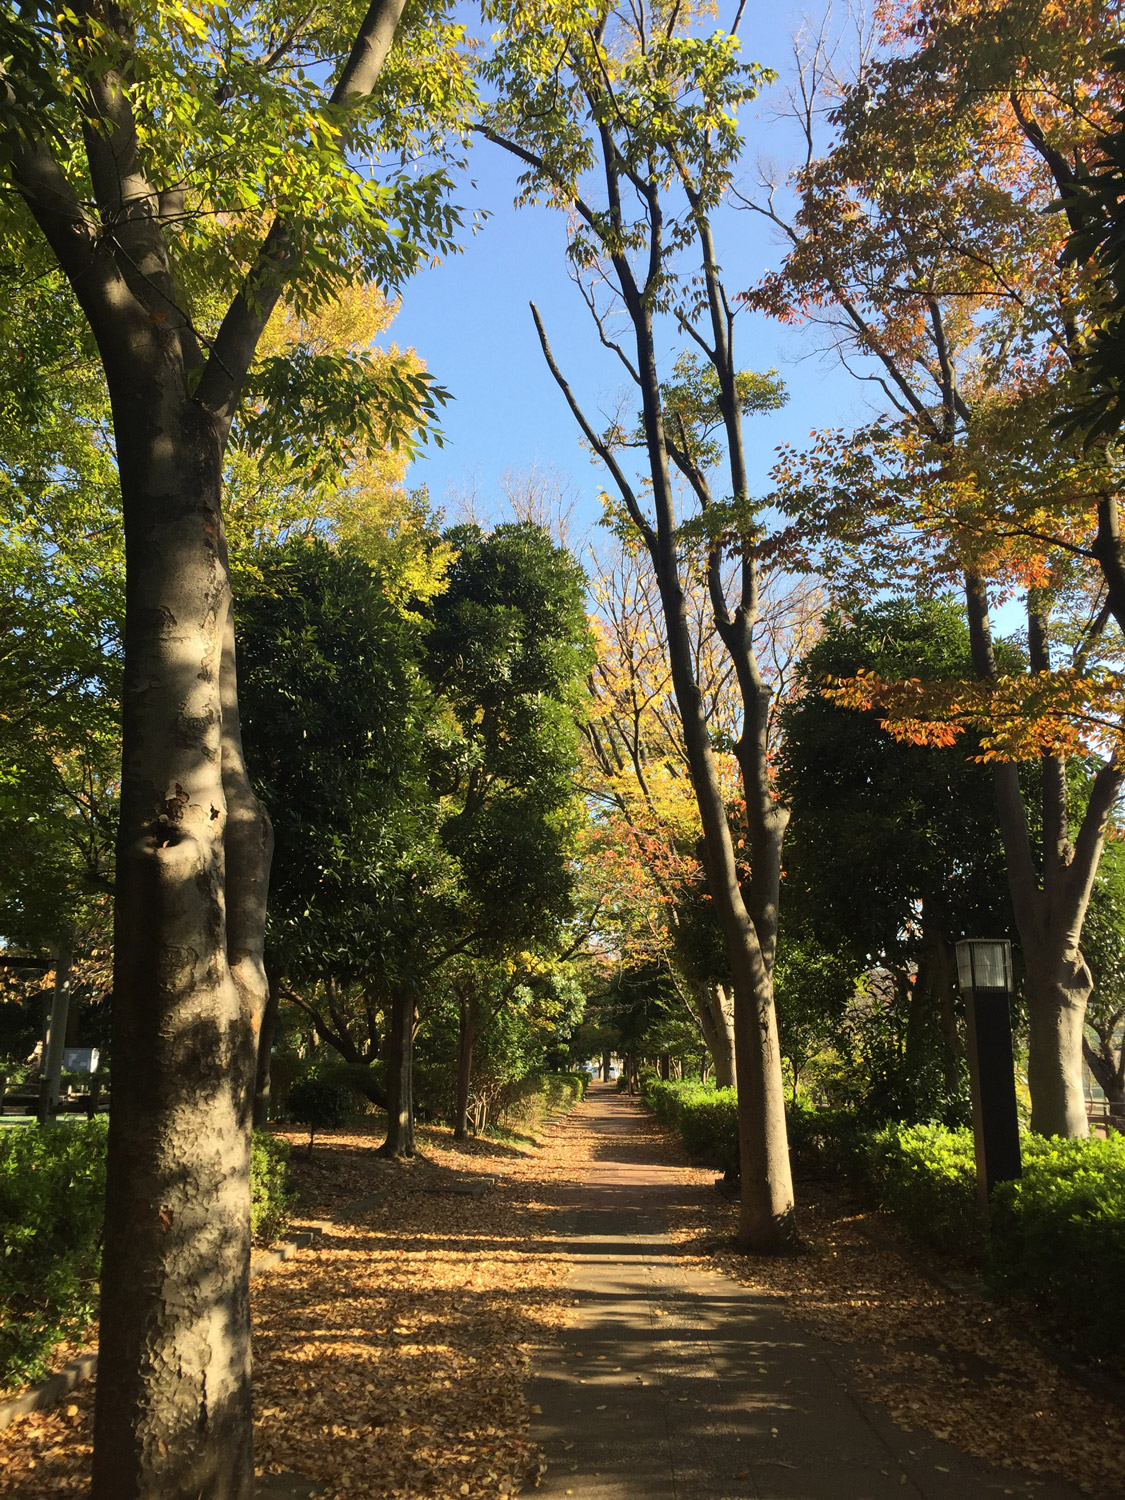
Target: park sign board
column 80, row 1060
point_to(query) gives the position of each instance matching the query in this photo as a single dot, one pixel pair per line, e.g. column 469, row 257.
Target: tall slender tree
column 628, row 121
column 185, row 169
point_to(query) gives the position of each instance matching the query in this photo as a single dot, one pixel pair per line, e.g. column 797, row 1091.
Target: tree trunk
column 173, row 1399
column 1050, row 906
column 716, row 1018
column 265, row 1048
column 50, row 1089
column 749, row 922
column 665, row 1067
column 607, row 1063
column 400, row 1078
column 1056, row 1014
column 1107, row 1062
column 466, row 1037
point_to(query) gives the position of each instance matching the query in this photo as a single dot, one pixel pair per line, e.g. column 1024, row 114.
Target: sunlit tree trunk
column 1050, row 902
column 400, row 1077
column 467, row 1021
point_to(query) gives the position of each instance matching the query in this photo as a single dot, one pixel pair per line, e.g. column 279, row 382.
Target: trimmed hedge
column 1056, row 1237
column 706, row 1118
column 52, row 1196
column 541, row 1094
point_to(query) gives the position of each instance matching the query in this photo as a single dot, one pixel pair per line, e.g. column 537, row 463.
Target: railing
column 1105, row 1118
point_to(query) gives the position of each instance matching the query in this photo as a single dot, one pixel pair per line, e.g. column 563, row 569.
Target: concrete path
column 675, row 1384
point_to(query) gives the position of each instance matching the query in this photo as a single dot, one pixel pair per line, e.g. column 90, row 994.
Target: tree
column 61, row 586
column 506, row 655
column 919, row 239
column 183, row 171
column 893, row 852
column 641, row 851
column 1103, row 942
column 334, row 708
column 637, row 106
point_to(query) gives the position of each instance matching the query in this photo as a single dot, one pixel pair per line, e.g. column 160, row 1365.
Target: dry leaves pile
column 951, row 1362
column 390, row 1358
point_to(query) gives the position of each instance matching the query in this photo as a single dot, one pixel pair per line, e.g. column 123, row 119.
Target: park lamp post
column 984, row 972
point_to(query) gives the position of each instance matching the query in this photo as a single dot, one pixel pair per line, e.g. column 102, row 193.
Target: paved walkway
column 673, row 1384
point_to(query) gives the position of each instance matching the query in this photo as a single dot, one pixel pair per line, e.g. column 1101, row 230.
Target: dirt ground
column 390, row 1357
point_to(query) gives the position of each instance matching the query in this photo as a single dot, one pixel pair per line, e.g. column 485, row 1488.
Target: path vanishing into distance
column 674, row 1383
column 589, row 1277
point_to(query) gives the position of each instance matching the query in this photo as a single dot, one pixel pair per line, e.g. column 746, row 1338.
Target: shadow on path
column 673, row 1383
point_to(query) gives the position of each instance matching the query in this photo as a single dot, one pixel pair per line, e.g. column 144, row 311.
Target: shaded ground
column 391, row 1359
column 675, row 1380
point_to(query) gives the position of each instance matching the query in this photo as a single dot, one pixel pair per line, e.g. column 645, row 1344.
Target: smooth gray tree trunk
column 400, row 1078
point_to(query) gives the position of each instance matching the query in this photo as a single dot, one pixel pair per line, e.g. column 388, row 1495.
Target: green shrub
column 52, row 1201
column 271, row 1194
column 52, row 1196
column 320, row 1105
column 527, row 1103
column 580, row 1080
column 705, row 1117
column 826, row 1142
column 1058, row 1236
column 926, row 1175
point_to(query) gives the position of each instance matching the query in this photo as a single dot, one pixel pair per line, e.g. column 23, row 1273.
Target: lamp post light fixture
column 984, row 972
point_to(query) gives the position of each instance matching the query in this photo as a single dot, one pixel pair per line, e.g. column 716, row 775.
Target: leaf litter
column 940, row 1357
column 390, row 1357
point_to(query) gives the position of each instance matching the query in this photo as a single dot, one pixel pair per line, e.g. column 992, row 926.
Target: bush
column 271, row 1194
column 705, row 1117
column 52, row 1196
column 52, row 1202
column 579, row 1081
column 526, row 1104
column 926, row 1175
column 1058, row 1236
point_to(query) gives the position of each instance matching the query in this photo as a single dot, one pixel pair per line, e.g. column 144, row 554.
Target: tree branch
column 625, row 489
column 236, row 343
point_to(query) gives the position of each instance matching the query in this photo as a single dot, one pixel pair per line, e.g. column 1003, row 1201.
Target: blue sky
column 469, row 320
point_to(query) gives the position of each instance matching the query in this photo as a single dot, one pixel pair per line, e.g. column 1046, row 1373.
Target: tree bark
column 173, row 1400
column 265, row 1048
column 400, row 1078
column 1056, row 1015
column 466, row 1038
